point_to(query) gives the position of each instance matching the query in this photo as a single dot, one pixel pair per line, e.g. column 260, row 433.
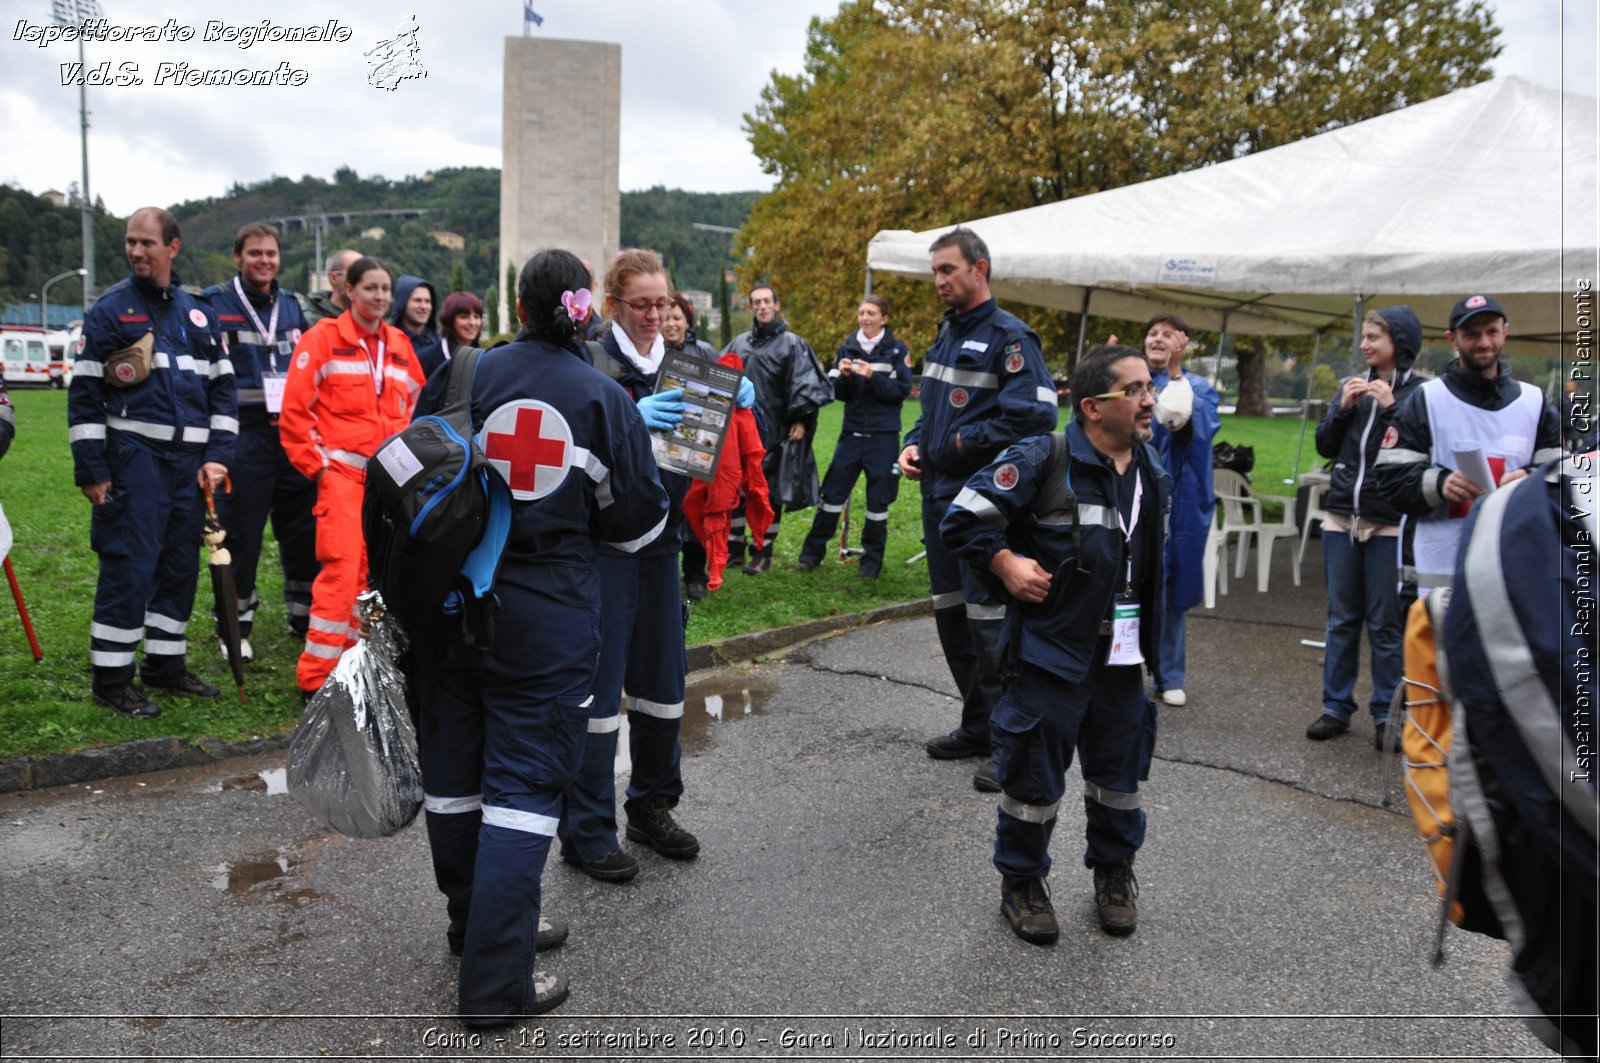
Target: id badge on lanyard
column 272, row 381
column 1125, row 606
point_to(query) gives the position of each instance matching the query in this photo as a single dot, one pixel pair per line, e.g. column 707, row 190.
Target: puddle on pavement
column 706, row 704
column 242, row 876
column 271, row 781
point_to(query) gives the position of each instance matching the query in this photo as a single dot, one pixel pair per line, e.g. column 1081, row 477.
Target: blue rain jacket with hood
column 1354, row 436
column 428, row 344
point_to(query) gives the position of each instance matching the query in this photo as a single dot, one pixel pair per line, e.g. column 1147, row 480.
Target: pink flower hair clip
column 577, row 303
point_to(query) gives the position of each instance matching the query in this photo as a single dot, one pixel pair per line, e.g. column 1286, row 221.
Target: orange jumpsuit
column 348, row 390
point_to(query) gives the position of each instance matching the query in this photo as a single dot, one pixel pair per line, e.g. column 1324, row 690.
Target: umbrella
column 848, row 555
column 16, row 591
column 223, row 593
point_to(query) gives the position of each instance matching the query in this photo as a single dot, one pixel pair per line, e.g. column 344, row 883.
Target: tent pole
column 868, row 290
column 1305, row 408
column 1083, row 325
column 1222, row 345
column 1355, row 334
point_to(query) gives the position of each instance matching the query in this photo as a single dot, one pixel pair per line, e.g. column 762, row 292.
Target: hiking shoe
column 696, row 590
column 1114, row 891
column 956, row 746
column 655, row 827
column 1325, row 727
column 869, row 571
column 552, row 935
column 128, row 700
column 987, row 778
column 550, row 991
column 806, row 563
column 1176, row 698
column 761, row 562
column 615, row 866
column 1025, row 903
column 188, row 683
column 1386, row 741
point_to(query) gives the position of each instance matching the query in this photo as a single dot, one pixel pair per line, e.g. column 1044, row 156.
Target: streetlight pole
column 44, row 294
column 76, row 13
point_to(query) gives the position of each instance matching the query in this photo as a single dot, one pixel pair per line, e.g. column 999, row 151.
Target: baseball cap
column 1472, row 306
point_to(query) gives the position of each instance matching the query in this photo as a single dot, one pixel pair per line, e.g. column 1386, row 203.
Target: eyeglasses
column 644, row 306
column 1132, row 391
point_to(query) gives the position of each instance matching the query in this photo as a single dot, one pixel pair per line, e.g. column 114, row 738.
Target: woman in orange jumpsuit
column 353, row 383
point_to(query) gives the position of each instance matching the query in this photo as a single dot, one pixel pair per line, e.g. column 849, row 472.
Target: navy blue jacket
column 186, row 405
column 609, row 491
column 872, row 405
column 1354, row 436
column 251, row 353
column 984, row 379
column 1061, row 634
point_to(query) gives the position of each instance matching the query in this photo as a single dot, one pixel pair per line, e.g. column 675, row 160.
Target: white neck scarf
column 650, row 361
column 865, row 344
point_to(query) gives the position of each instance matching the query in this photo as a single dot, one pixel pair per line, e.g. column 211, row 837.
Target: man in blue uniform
column 1186, row 422
column 984, row 387
column 260, row 325
column 503, row 728
column 151, row 418
column 1074, row 531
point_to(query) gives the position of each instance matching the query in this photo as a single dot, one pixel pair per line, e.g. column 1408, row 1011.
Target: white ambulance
column 33, row 356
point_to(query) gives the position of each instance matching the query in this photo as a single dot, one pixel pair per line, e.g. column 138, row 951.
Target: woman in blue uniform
column 502, row 729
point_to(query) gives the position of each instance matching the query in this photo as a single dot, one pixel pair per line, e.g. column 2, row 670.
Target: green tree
column 458, row 276
column 1024, row 102
column 491, row 311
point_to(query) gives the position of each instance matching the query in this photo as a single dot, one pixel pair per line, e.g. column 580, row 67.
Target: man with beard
column 1072, row 524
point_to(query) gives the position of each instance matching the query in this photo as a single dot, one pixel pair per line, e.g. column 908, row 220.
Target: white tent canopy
column 1488, row 189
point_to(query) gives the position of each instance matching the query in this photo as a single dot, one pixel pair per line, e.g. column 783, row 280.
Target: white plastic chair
column 1315, row 493
column 1241, row 515
column 1216, row 565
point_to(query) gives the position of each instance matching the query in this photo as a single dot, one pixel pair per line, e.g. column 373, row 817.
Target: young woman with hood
column 416, row 314
column 1362, row 536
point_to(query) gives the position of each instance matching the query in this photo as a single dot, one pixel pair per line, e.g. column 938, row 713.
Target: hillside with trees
column 39, row 240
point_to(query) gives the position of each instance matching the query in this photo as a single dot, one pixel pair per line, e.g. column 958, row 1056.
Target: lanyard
column 1132, row 522
column 377, row 367
column 267, row 332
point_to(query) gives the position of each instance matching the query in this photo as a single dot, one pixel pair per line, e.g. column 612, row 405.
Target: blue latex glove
column 747, row 393
column 662, row 410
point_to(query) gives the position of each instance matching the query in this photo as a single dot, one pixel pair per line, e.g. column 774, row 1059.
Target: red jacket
column 709, row 507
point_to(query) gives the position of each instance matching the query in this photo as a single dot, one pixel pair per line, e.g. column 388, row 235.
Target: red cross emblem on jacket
column 530, row 444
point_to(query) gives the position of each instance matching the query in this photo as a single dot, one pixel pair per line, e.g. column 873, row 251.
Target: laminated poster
column 708, row 389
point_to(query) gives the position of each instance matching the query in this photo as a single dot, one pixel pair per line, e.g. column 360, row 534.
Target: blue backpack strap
column 484, row 560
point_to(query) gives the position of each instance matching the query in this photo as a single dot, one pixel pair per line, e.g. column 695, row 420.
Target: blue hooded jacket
column 429, row 346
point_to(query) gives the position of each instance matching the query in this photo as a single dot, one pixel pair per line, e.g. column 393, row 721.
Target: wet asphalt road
column 844, row 906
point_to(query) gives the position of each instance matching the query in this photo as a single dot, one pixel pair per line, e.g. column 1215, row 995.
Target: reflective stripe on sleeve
column 192, row 434
column 349, row 457
column 318, row 649
column 635, row 545
column 220, row 423
column 88, row 367
column 979, row 507
column 80, row 433
column 1399, row 456
column 1047, row 395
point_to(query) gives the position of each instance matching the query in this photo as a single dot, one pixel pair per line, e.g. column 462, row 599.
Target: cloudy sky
column 690, row 70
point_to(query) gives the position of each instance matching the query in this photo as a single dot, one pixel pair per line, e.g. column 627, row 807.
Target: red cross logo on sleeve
column 530, row 444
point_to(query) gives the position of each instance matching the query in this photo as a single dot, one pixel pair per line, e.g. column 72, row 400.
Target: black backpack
column 436, row 516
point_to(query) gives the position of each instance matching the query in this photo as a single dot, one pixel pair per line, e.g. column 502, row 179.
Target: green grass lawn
column 46, row 707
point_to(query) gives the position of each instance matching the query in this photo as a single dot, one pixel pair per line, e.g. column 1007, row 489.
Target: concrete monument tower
column 558, row 172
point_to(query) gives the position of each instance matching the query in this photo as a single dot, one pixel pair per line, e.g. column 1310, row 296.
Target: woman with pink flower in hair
column 502, row 727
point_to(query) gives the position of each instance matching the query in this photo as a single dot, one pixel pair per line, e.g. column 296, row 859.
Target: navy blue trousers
column 266, row 486
column 148, row 537
column 875, row 455
column 500, row 737
column 969, row 621
column 1041, row 720
column 642, row 668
